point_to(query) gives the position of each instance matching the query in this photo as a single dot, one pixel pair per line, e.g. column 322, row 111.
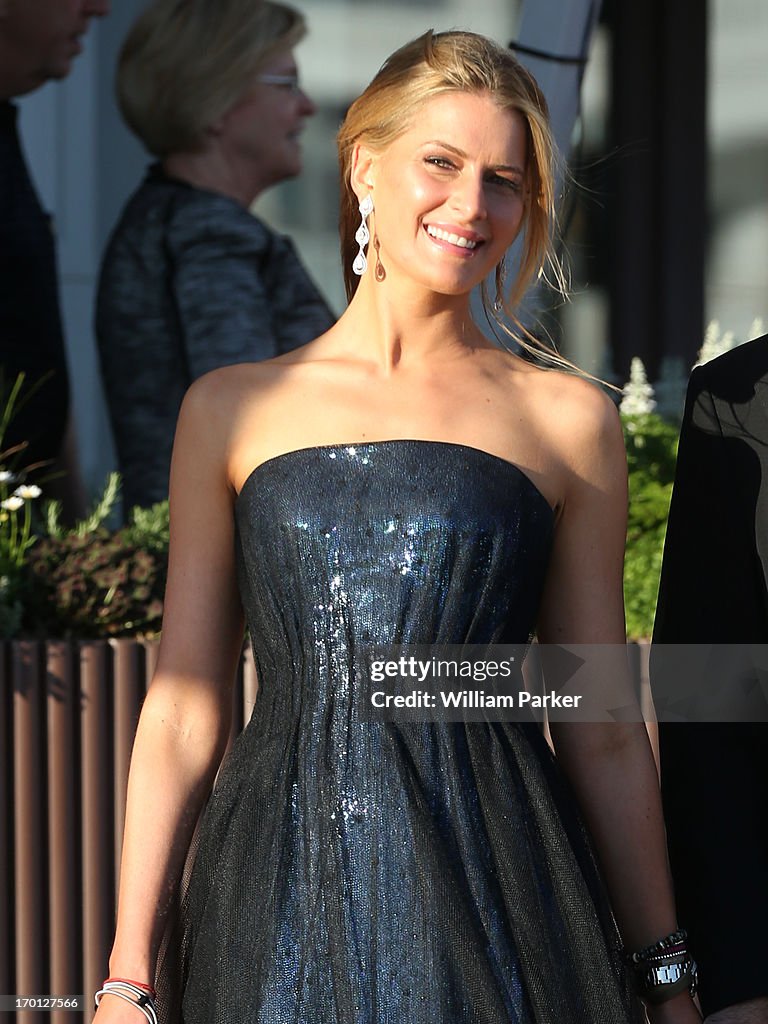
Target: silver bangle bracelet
column 142, row 1000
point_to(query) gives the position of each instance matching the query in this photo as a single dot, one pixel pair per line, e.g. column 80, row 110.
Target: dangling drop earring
column 362, row 236
column 378, row 271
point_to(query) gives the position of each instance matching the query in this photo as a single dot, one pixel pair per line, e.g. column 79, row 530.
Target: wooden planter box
column 68, row 712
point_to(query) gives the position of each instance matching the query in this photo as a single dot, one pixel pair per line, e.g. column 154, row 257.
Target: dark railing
column 68, row 714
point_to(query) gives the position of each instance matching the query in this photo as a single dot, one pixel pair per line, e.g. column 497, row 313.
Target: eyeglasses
column 290, row 81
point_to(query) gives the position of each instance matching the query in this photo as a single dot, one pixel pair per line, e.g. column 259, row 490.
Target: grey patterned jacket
column 190, row 281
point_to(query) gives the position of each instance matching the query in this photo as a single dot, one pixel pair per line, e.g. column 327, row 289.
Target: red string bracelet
column 139, row 984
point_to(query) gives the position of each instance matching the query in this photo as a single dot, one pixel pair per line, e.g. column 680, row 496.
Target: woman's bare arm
column 185, row 719
column 610, row 765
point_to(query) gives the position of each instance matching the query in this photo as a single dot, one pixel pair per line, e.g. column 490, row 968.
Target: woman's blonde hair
column 444, row 62
column 185, row 63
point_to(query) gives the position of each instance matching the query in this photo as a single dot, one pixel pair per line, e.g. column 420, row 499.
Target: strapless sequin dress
column 357, row 872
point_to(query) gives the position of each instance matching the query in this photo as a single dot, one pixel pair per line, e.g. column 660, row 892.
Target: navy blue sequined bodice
column 356, row 872
column 388, row 543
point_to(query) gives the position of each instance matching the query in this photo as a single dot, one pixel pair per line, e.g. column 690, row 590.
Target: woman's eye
column 508, row 183
column 440, row 161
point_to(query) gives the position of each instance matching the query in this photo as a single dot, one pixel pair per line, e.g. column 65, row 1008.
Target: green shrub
column 17, row 494
column 83, row 581
column 100, row 583
column 651, row 454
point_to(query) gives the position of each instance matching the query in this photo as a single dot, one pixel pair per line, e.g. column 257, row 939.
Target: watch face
column 660, row 981
column 668, row 974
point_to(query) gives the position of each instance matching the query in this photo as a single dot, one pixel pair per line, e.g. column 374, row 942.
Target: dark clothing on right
column 31, row 336
column 191, row 281
column 713, row 591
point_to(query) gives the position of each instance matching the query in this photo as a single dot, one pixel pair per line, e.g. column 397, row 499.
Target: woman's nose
column 469, row 197
column 307, row 106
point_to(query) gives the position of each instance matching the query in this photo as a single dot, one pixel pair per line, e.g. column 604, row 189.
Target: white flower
column 12, row 504
column 28, row 491
column 714, row 343
column 6, row 477
column 638, row 393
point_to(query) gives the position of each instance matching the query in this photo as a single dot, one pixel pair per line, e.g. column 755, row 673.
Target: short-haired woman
column 400, row 480
column 191, row 280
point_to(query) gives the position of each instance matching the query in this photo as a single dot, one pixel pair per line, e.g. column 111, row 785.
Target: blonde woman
column 191, row 280
column 398, row 480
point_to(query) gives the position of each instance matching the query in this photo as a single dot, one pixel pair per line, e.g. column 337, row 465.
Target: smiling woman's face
column 449, row 193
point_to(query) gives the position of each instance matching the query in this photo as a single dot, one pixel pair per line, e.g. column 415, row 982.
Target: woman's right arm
column 186, row 716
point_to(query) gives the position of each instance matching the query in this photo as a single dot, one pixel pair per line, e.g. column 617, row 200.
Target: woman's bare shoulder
column 250, row 412
column 573, row 404
column 215, row 407
column 575, row 418
column 579, row 400
column 232, row 391
column 229, row 383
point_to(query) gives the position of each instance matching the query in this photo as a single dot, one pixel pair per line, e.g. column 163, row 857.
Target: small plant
column 16, row 518
column 80, row 581
column 99, row 583
column 89, row 581
column 651, row 444
column 16, row 538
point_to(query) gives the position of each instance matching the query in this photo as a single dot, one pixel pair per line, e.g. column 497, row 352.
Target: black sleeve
column 714, row 776
column 703, row 594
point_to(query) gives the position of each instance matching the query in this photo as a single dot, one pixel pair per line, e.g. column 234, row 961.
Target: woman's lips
column 450, row 238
